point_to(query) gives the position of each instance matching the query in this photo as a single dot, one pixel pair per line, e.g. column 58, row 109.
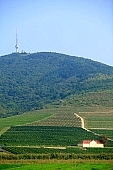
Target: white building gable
column 91, row 144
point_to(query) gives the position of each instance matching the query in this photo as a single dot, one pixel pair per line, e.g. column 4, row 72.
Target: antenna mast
column 16, row 46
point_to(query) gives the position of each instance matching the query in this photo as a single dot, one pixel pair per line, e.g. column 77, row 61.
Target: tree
column 103, row 139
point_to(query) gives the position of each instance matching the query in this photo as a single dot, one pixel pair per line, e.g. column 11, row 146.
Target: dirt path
column 82, row 120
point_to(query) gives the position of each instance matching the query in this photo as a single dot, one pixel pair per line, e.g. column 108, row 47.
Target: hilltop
column 39, row 80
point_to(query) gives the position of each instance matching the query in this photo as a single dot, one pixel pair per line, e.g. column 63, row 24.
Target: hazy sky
column 75, row 27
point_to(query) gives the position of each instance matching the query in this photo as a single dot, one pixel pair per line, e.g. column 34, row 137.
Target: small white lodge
column 91, row 144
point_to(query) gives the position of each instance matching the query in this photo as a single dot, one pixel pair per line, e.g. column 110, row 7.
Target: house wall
column 97, row 146
column 84, row 145
column 92, row 144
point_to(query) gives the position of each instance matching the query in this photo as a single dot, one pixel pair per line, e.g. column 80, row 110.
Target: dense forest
column 38, row 80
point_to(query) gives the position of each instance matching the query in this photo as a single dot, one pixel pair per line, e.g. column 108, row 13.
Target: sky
column 81, row 28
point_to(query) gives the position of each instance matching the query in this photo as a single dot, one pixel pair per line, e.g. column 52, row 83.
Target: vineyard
column 60, row 119
column 55, row 133
column 33, row 117
column 98, row 119
column 32, row 132
column 67, row 150
column 44, row 135
column 24, row 119
column 99, row 122
column 108, row 133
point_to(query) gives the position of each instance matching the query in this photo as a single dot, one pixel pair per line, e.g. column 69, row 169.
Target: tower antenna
column 16, row 46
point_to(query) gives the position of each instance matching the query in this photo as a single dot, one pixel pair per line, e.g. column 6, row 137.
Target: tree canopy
column 31, row 81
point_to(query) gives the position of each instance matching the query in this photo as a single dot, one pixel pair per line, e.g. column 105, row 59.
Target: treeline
column 60, row 156
column 33, row 81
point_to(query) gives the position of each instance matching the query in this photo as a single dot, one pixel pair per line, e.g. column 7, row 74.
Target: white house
column 91, row 144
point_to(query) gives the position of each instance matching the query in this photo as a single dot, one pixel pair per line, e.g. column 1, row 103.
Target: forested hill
column 29, row 81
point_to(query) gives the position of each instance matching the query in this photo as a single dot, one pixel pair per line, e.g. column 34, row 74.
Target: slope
column 32, row 81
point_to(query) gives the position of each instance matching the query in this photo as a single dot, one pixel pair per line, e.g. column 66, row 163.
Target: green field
column 44, row 135
column 61, row 166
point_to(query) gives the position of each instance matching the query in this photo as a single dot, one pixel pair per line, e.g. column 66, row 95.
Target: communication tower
column 16, row 46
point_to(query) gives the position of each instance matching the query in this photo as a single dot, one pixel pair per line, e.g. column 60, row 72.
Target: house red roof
column 85, row 142
column 88, row 142
column 98, row 142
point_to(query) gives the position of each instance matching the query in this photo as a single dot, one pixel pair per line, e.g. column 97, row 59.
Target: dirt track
column 82, row 120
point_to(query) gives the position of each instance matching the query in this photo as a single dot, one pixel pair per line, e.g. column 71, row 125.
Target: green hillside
column 93, row 99
column 35, row 81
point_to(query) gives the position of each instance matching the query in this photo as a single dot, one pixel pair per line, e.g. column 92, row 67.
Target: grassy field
column 57, row 166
